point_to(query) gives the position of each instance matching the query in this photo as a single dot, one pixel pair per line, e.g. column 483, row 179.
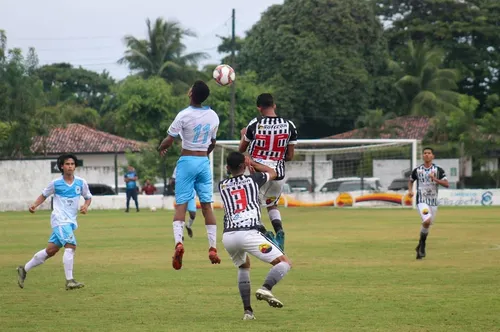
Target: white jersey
column 196, row 127
column 66, row 199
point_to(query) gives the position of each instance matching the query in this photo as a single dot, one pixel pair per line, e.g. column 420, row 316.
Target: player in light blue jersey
column 197, row 127
column 67, row 191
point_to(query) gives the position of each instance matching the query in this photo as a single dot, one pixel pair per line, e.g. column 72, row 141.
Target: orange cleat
column 177, row 259
column 212, row 255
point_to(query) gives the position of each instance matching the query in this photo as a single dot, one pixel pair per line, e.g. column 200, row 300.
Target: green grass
column 353, row 270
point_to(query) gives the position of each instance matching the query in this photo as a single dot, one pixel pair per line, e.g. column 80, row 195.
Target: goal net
column 340, row 172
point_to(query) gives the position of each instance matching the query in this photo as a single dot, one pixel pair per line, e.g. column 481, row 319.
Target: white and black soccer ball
column 224, row 75
column 153, row 209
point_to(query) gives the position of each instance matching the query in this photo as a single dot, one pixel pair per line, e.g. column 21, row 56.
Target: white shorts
column 270, row 192
column 239, row 243
column 427, row 211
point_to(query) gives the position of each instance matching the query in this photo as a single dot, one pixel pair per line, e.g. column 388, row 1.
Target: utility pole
column 233, row 86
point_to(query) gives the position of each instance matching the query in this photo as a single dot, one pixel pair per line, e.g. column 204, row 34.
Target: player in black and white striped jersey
column 241, row 236
column 271, row 141
column 429, row 177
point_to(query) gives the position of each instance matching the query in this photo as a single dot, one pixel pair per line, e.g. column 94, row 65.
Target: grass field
column 354, row 270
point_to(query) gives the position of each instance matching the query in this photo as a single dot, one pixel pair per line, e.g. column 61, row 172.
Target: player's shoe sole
column 265, row 295
column 73, row 284
column 190, row 231
column 21, row 276
column 212, row 255
column 177, row 258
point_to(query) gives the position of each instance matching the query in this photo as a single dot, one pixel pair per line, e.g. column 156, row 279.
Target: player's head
column 235, row 163
column 67, row 163
column 265, row 101
column 199, row 92
column 428, row 154
column 130, row 168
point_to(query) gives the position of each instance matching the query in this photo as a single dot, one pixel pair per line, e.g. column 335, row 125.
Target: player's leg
column 136, row 200
column 191, row 207
column 184, row 191
column 66, row 237
column 426, row 214
column 272, row 196
column 129, row 195
column 204, row 190
column 39, row 258
column 259, row 246
column 233, row 244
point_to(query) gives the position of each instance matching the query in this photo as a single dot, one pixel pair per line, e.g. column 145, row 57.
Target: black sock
column 277, row 225
column 423, row 237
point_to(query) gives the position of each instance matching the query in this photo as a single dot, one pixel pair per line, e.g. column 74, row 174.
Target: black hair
column 428, row 148
column 199, row 92
column 62, row 158
column 265, row 100
column 234, row 160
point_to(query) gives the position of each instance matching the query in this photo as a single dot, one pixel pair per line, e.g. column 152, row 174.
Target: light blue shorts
column 62, row 235
column 192, row 205
column 193, row 173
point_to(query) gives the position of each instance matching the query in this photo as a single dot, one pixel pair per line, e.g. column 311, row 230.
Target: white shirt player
column 66, row 199
column 196, row 127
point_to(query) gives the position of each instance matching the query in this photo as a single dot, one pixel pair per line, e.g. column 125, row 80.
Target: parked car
column 299, row 184
column 398, row 184
column 332, row 185
column 350, row 186
column 97, row 189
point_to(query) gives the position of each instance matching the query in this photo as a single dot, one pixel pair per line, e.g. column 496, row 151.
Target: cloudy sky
column 90, row 33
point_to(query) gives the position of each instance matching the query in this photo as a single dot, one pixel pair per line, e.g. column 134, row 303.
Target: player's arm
column 87, row 196
column 247, row 135
column 40, row 199
column 413, row 178
column 49, row 190
column 262, row 168
column 290, row 150
column 173, row 131
column 440, row 178
column 213, row 138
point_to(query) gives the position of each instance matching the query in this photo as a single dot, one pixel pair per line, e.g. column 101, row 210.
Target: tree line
column 333, row 65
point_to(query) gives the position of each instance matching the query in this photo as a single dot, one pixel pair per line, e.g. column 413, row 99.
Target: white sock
column 178, row 231
column 39, row 258
column 212, row 235
column 68, row 258
column 190, row 223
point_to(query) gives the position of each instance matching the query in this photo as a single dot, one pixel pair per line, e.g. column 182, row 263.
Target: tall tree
column 321, row 55
column 62, row 82
column 162, row 53
column 20, row 95
column 425, row 88
column 373, row 123
column 467, row 30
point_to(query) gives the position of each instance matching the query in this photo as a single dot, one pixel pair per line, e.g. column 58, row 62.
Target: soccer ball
column 153, row 209
column 224, row 75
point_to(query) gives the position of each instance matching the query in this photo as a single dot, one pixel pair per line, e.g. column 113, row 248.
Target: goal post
column 340, row 172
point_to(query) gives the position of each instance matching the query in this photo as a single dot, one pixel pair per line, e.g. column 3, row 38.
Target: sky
column 90, row 33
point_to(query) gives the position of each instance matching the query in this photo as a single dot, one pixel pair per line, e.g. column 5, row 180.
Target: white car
column 332, row 185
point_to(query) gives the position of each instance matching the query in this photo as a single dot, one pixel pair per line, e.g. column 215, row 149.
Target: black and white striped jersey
column 240, row 197
column 269, row 138
column 427, row 190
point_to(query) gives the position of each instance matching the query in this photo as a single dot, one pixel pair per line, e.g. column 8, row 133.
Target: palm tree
column 373, row 123
column 162, row 53
column 425, row 88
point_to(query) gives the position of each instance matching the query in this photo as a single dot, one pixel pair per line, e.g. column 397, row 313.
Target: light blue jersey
column 66, row 200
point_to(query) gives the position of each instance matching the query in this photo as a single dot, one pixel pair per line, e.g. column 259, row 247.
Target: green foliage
column 321, row 56
column 63, row 82
column 373, row 124
column 20, row 95
column 425, row 88
column 468, row 32
column 162, row 54
column 146, row 107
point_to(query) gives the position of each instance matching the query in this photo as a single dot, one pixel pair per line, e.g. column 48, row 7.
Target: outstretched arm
column 166, row 144
column 261, row 168
column 243, row 143
column 37, row 203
